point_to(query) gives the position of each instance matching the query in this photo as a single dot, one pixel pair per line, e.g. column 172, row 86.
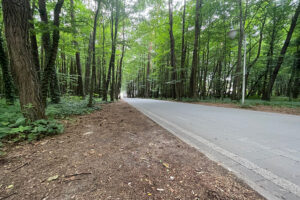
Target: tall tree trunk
column 121, row 65
column 7, row 79
column 104, row 93
column 183, row 53
column 113, row 48
column 33, row 42
column 173, row 58
column 88, row 65
column 148, row 72
column 16, row 14
column 193, row 86
column 80, row 90
column 51, row 51
column 90, row 104
column 269, row 63
column 282, row 52
column 236, row 89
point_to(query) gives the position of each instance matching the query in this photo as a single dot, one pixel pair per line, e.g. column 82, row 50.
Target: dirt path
column 115, row 153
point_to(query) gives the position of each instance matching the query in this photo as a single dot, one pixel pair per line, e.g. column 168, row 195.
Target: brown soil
column 115, row 153
column 274, row 109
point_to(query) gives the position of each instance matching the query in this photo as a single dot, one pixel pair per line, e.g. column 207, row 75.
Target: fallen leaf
column 88, row 133
column 52, row 178
column 166, row 165
column 10, row 187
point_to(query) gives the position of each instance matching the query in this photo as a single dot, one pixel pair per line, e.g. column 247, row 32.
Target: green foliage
column 15, row 128
column 69, row 106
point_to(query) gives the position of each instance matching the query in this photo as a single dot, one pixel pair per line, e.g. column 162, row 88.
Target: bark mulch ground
column 115, row 153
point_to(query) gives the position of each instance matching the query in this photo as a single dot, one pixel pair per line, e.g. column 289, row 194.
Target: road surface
column 261, row 148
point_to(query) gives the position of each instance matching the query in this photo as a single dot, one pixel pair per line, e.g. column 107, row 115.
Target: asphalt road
column 261, row 148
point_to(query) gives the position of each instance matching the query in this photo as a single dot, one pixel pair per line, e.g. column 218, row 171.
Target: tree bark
column 121, row 66
column 80, row 90
column 51, row 51
column 7, row 79
column 183, row 53
column 90, row 104
column 88, row 65
column 16, row 14
column 113, row 49
column 282, row 53
column 33, row 42
column 193, row 86
column 173, row 58
column 236, row 90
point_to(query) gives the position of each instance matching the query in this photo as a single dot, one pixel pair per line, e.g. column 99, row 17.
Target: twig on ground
column 84, row 173
column 67, row 181
column 6, row 197
column 20, row 167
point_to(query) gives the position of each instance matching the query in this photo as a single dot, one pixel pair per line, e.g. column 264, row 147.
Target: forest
column 99, row 99
column 53, row 51
column 182, row 50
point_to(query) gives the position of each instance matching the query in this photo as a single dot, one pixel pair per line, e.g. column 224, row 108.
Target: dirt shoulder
column 115, row 153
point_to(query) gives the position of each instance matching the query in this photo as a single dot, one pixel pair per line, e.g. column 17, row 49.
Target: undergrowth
column 15, row 128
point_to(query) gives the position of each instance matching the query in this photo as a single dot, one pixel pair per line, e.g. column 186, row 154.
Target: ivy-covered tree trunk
column 33, row 41
column 7, row 79
column 51, row 52
column 16, row 15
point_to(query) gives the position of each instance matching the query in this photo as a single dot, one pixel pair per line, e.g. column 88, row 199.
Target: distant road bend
column 261, row 148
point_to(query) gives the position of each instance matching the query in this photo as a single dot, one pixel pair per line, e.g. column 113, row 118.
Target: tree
column 90, row 104
column 183, row 54
column 80, row 90
column 236, row 90
column 50, row 51
column 16, row 15
column 172, row 51
column 193, row 85
column 114, row 33
column 8, row 83
column 282, row 53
